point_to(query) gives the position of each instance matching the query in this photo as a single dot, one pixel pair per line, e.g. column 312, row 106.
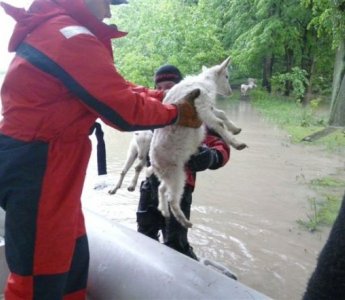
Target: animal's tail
column 179, row 215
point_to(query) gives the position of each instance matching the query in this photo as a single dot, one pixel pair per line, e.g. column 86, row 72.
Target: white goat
column 172, row 146
column 246, row 87
column 138, row 148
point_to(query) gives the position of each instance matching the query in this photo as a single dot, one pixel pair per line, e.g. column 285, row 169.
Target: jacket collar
column 43, row 10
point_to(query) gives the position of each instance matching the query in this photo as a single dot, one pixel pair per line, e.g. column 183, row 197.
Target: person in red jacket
column 213, row 154
column 60, row 81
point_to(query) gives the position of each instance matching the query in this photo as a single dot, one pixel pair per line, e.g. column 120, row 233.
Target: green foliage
column 328, row 182
column 323, row 212
column 283, row 111
column 313, row 220
column 329, row 18
column 256, row 29
column 297, row 77
column 174, row 32
column 259, row 95
column 296, row 34
column 309, row 115
column 335, row 142
column 298, row 121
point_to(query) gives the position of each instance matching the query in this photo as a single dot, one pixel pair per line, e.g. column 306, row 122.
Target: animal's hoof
column 165, row 213
column 188, row 224
column 241, row 146
column 237, row 131
column 131, row 188
column 112, row 192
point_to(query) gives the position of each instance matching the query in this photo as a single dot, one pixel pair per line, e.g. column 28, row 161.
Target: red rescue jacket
column 63, row 78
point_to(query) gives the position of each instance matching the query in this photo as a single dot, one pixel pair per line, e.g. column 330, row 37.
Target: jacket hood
column 42, row 10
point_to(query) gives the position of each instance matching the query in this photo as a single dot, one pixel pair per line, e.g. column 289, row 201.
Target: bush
column 298, row 79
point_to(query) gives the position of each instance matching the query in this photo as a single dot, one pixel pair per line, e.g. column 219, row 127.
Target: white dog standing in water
column 245, row 88
column 172, row 146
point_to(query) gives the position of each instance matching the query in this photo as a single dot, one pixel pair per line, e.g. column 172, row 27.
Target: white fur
column 138, row 148
column 246, row 87
column 172, row 146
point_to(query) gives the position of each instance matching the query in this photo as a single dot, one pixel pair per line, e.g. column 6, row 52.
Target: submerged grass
column 300, row 122
column 322, row 213
column 325, row 211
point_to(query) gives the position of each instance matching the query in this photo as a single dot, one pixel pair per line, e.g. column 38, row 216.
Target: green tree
column 329, row 19
column 270, row 38
column 263, row 35
column 170, row 31
column 265, row 38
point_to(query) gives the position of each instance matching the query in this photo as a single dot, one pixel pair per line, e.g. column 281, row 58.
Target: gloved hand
column 206, row 158
column 187, row 115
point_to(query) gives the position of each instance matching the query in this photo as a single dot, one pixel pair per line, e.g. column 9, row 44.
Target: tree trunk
column 267, row 72
column 337, row 114
column 288, row 64
column 309, row 87
column 308, row 61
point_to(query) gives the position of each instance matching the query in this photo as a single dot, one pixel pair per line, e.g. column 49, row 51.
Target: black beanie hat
column 168, row 73
column 116, row 2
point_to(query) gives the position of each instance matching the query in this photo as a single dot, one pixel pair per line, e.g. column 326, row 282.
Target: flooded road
column 245, row 213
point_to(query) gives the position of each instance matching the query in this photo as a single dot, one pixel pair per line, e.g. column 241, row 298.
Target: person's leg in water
column 149, row 219
column 175, row 235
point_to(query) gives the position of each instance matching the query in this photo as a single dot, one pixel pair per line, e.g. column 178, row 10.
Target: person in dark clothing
column 213, row 154
column 328, row 279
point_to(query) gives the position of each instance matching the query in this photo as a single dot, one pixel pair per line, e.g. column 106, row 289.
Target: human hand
column 205, row 158
column 187, row 114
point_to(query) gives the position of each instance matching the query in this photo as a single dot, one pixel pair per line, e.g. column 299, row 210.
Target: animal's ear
column 203, row 68
column 225, row 63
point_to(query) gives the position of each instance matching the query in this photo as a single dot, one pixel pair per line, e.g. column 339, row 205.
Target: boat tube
column 125, row 264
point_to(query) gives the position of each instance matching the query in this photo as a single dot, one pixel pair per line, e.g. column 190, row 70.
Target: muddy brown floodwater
column 245, row 213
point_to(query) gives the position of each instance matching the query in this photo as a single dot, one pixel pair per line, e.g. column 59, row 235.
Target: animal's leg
column 206, row 114
column 143, row 152
column 176, row 185
column 142, row 139
column 138, row 169
column 243, row 90
column 230, row 125
column 163, row 201
column 132, row 155
column 219, row 126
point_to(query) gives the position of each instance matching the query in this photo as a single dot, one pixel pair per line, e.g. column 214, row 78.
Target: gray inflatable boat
column 127, row 265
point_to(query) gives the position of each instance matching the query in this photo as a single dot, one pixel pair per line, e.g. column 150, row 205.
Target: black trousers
column 150, row 221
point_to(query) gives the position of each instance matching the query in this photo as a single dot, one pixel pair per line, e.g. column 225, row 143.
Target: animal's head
column 252, row 82
column 220, row 75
